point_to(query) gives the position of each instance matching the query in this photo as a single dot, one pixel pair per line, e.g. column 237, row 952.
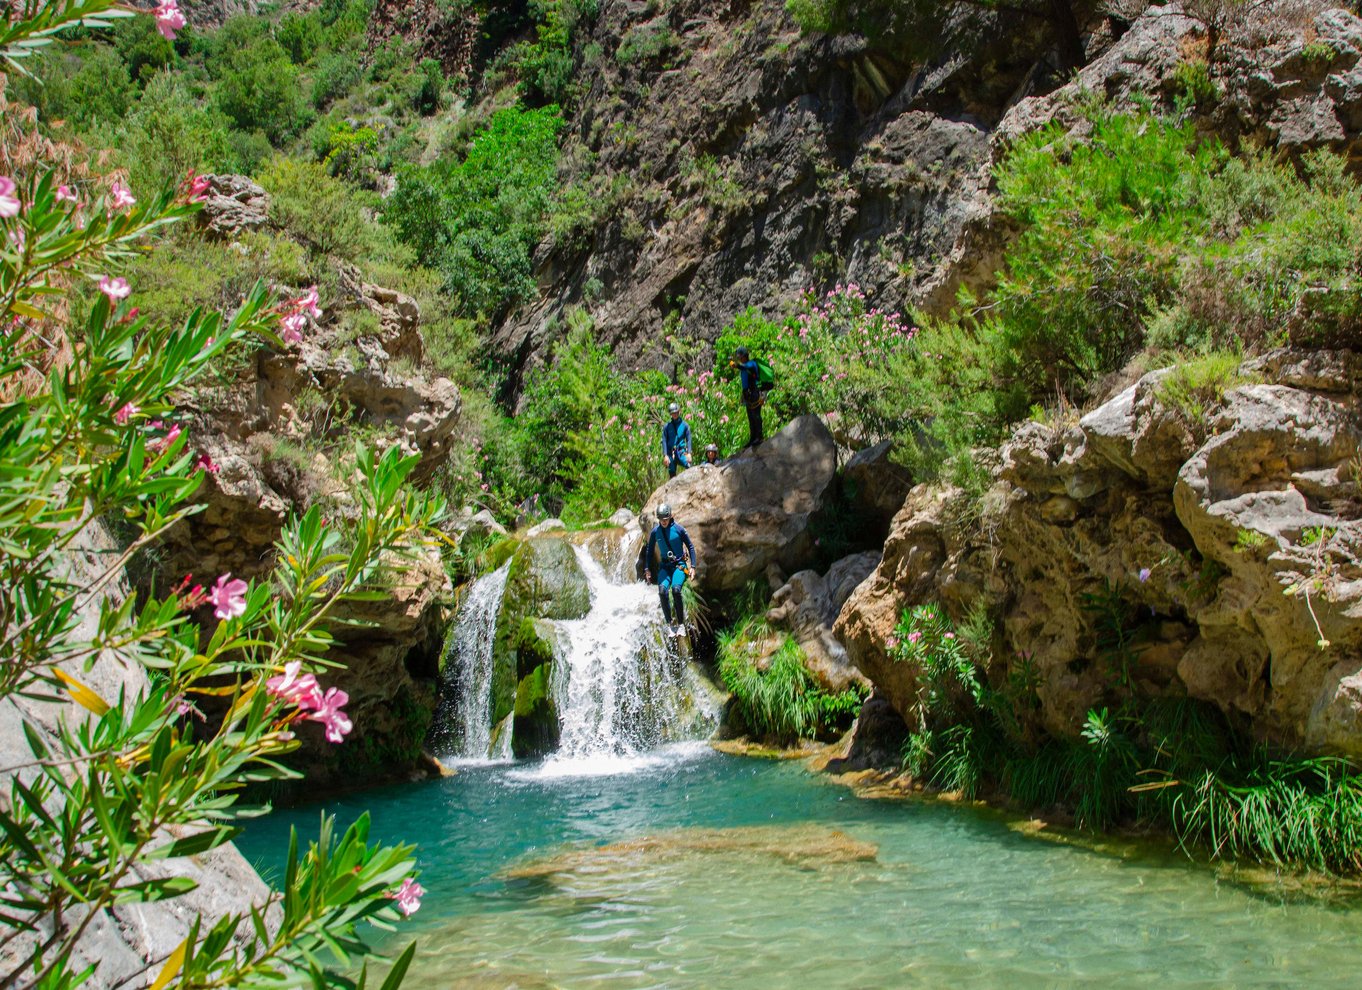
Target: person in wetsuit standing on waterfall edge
column 675, row 560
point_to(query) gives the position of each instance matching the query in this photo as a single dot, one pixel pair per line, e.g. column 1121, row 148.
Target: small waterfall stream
column 619, row 689
column 464, row 722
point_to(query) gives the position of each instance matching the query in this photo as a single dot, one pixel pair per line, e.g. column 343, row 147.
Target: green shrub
column 351, row 151
column 143, row 49
column 317, row 208
column 171, row 132
column 300, row 35
column 89, row 86
column 257, row 81
column 192, row 272
column 334, row 77
column 425, row 87
column 645, row 44
column 477, row 220
column 1195, row 388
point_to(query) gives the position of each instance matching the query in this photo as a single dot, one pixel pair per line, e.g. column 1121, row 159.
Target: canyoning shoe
column 680, row 632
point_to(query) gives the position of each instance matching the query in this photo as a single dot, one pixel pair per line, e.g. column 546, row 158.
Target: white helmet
column 664, row 511
column 673, row 408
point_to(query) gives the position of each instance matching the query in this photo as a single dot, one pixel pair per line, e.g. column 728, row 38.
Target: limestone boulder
column 1272, row 499
column 807, row 606
column 278, row 430
column 906, row 574
column 755, row 509
column 232, row 205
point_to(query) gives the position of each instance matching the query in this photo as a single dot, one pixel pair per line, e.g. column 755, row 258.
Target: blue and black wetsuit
column 752, row 399
column 671, row 544
column 676, row 445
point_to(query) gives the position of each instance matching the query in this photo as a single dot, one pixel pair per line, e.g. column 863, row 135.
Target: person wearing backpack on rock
column 671, row 553
column 749, row 373
column 675, row 441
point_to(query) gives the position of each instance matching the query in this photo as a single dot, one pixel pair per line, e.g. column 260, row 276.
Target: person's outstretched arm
column 690, row 547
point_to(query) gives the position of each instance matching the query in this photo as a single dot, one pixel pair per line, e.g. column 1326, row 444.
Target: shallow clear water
column 952, row 897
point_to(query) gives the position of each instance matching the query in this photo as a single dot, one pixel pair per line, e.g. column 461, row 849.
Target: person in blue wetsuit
column 752, row 399
column 675, row 558
column 676, row 441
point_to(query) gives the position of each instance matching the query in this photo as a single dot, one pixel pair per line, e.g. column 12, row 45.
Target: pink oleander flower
column 65, row 194
column 295, row 687
column 914, row 636
column 168, row 18
column 948, row 636
column 183, row 706
column 205, row 463
column 120, row 198
column 294, row 324
column 125, row 412
column 197, row 190
column 308, row 303
column 115, row 288
column 408, row 897
column 228, row 597
column 328, row 712
column 161, row 444
column 891, row 642
column 9, row 203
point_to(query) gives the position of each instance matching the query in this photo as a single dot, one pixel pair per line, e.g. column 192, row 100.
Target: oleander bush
column 91, row 432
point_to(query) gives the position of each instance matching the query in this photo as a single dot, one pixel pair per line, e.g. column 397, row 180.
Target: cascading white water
column 620, row 691
column 466, row 713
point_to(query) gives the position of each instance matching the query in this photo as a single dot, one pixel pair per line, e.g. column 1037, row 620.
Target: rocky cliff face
column 734, row 162
column 1148, row 547
column 278, row 428
column 1225, row 550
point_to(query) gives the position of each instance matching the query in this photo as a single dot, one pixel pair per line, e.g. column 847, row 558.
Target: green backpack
column 766, row 376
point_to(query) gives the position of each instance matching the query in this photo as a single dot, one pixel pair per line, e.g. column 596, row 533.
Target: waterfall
column 620, row 688
column 465, row 719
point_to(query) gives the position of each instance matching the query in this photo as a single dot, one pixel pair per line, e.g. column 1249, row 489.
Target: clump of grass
column 1195, row 388
column 777, row 698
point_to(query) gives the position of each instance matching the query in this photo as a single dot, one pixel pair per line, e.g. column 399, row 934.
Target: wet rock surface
column 802, row 846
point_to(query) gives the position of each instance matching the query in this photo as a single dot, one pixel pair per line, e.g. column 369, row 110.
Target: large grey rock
column 754, row 510
column 808, row 604
column 1278, row 471
column 233, row 204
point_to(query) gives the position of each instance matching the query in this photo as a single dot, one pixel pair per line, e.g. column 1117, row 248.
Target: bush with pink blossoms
column 588, row 434
column 88, row 433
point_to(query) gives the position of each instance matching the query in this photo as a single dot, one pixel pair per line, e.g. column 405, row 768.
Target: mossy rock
column 546, row 582
column 520, row 648
column 536, row 716
column 497, row 554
